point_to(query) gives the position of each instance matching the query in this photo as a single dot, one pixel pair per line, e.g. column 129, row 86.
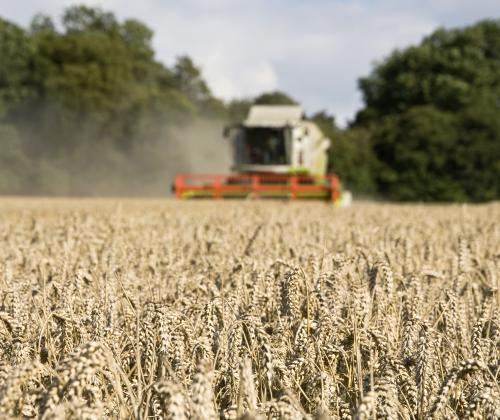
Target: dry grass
column 248, row 310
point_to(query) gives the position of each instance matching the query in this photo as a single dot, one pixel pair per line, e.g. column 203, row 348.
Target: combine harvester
column 277, row 154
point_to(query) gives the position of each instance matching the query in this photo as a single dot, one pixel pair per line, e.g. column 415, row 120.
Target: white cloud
column 240, row 77
column 315, row 50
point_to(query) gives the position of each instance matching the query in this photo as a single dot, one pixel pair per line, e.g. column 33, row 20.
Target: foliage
column 92, row 84
column 414, row 149
column 15, row 53
column 433, row 110
column 274, row 98
column 237, row 109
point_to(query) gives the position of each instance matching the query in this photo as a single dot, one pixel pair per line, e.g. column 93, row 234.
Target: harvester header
column 277, row 153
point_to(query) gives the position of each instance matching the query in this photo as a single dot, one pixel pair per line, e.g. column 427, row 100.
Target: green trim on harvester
column 298, row 170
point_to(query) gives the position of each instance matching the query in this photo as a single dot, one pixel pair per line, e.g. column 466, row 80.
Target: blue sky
column 315, row 50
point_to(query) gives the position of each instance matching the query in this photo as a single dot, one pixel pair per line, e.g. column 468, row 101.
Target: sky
column 315, row 50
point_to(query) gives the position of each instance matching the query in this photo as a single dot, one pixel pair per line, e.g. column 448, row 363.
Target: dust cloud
column 146, row 169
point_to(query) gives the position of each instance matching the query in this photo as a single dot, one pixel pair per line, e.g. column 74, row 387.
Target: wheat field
column 248, row 310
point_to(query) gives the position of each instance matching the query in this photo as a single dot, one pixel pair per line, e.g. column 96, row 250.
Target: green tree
column 42, row 24
column 190, row 81
column 274, row 98
column 414, row 149
column 89, row 85
column 87, row 19
column 16, row 52
column 237, row 109
column 433, row 110
column 98, row 81
column 476, row 161
column 445, row 70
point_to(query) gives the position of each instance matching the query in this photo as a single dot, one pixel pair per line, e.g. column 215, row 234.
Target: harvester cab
column 277, row 153
column 277, row 140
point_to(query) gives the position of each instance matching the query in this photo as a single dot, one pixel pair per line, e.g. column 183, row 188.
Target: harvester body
column 276, row 154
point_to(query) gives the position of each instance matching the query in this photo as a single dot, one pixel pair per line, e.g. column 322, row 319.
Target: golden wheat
column 248, row 310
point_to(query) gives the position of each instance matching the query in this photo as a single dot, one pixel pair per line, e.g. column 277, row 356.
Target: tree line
column 90, row 89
